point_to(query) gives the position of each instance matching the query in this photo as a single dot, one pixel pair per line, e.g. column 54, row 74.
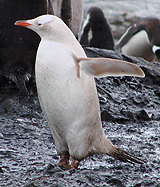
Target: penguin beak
column 22, row 23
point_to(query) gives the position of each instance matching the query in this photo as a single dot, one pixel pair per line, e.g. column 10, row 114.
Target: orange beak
column 22, row 23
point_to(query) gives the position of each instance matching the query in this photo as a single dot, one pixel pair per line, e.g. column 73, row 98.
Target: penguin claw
column 125, row 157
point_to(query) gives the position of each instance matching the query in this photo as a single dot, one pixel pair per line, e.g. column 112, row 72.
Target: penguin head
column 96, row 15
column 47, row 27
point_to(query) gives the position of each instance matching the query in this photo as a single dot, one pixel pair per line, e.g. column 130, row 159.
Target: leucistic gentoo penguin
column 96, row 31
column 142, row 39
column 67, row 91
column 70, row 11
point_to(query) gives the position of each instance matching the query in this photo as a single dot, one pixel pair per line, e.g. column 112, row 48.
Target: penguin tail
column 121, row 155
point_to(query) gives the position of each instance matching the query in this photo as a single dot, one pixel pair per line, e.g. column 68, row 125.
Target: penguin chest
column 55, row 74
column 139, row 46
column 63, row 96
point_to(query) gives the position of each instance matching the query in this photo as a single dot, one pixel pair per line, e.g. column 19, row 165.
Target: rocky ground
column 130, row 111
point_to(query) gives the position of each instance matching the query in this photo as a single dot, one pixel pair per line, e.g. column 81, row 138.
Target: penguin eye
column 45, row 19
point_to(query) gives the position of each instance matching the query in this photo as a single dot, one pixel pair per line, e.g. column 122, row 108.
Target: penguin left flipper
column 126, row 36
column 102, row 67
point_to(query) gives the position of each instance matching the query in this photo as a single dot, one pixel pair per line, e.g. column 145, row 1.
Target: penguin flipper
column 102, row 67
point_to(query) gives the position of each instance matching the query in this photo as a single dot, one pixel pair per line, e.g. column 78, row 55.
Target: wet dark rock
column 157, row 91
column 59, row 174
column 1, row 170
column 128, row 114
column 31, row 185
column 106, row 116
column 142, row 115
column 53, row 169
column 115, row 181
column 138, row 185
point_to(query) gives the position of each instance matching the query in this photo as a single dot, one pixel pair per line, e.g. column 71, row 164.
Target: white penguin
column 67, row 91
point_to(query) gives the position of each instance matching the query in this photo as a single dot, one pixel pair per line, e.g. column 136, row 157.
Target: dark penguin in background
column 96, row 32
column 18, row 46
column 142, row 39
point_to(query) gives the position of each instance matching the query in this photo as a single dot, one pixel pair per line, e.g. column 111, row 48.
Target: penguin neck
column 70, row 42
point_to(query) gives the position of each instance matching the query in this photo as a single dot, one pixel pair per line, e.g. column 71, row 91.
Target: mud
column 130, row 111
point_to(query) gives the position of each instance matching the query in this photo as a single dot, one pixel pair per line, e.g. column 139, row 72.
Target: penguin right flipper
column 126, row 36
column 102, row 67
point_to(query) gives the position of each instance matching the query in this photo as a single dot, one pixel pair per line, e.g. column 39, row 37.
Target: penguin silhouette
column 96, row 31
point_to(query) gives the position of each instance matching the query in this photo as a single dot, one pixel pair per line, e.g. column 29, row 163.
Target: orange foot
column 74, row 164
column 64, row 162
